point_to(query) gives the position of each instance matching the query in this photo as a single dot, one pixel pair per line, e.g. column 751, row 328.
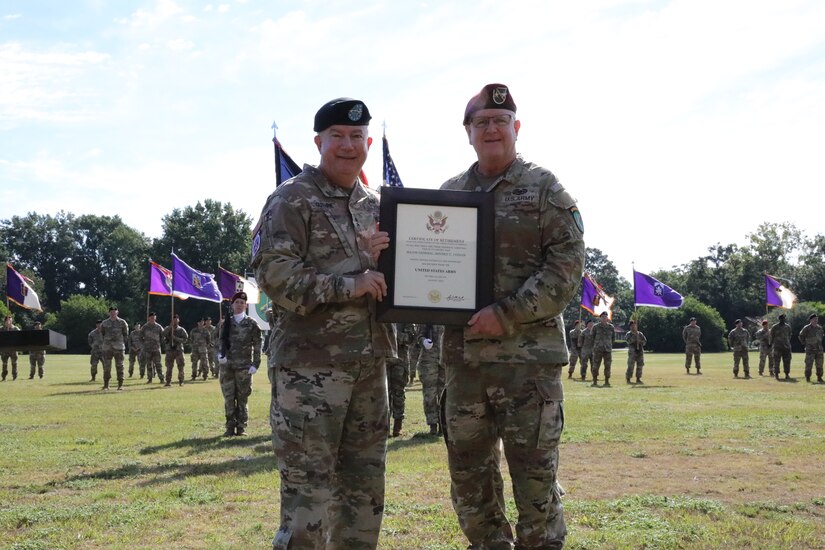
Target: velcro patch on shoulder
column 577, row 218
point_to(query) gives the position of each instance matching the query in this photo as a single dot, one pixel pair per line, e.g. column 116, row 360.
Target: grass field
column 679, row 462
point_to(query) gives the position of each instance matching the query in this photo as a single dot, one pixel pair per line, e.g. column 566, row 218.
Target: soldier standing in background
column 211, row 346
column 692, row 336
column 398, row 374
column 135, row 351
column 604, row 335
column 239, row 356
column 739, row 339
column 314, row 253
column 37, row 359
column 504, row 368
column 431, row 371
column 151, row 335
column 781, row 347
column 174, row 338
column 6, row 356
column 586, row 347
column 575, row 347
column 763, row 336
column 199, row 340
column 635, row 352
column 115, row 333
column 95, row 339
column 811, row 337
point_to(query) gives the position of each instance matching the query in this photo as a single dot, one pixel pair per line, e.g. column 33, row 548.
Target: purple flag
column 160, row 280
column 778, row 295
column 20, row 291
column 650, row 292
column 191, row 283
column 229, row 283
column 594, row 298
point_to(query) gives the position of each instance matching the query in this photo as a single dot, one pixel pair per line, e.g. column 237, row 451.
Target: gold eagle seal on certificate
column 437, row 222
column 434, row 296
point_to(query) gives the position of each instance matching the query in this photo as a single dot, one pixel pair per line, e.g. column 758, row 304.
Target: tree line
column 82, row 264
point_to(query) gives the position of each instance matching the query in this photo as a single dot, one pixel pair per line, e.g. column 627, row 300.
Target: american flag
column 391, row 176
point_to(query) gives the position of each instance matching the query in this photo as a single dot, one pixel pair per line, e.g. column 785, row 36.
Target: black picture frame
column 391, row 197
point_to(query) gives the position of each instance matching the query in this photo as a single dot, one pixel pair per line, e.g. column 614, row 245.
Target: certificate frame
column 393, row 212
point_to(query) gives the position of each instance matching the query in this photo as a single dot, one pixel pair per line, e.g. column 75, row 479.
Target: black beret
column 344, row 111
column 237, row 295
column 491, row 96
column 782, row 317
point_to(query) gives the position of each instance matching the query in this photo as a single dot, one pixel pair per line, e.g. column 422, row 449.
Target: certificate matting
column 438, row 266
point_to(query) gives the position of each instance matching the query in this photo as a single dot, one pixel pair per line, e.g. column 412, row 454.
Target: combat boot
column 229, row 432
column 698, row 371
column 628, row 379
column 607, row 382
column 808, row 378
column 595, row 383
column 433, row 429
column 639, row 381
column 105, row 386
column 820, row 380
column 240, row 431
column 397, row 425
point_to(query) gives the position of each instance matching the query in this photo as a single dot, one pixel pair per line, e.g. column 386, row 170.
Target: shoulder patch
column 577, row 218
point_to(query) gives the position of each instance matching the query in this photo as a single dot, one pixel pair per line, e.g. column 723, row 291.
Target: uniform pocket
column 551, row 422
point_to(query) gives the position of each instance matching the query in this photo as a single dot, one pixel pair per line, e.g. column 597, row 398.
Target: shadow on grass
column 417, row 439
column 648, row 386
column 198, row 445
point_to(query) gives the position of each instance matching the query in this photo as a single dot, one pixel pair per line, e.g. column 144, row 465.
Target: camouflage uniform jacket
column 95, row 340
column 811, row 337
column 135, row 344
column 763, row 336
column 692, row 335
column 310, row 243
column 603, row 336
column 174, row 339
column 199, row 338
column 635, row 341
column 538, row 259
column 244, row 343
column 781, row 336
column 586, row 340
column 115, row 333
column 739, row 338
column 150, row 336
column 574, row 338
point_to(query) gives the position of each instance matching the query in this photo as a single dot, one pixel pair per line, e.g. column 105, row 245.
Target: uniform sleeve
column 256, row 346
column 280, row 265
column 547, row 292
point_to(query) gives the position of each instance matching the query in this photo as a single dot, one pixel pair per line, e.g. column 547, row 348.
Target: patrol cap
column 113, row 308
column 603, row 314
column 491, row 96
column 693, row 318
column 175, row 316
column 632, row 322
column 782, row 317
column 239, row 295
column 344, row 111
column 152, row 314
column 737, row 322
column 206, row 318
column 813, row 316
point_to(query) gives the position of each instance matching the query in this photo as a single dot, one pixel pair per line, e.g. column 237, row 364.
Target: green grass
column 681, row 462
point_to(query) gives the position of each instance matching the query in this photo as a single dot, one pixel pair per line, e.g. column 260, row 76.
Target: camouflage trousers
column 598, row 356
column 329, row 431
column 236, row 387
column 635, row 358
column 108, row 357
column 151, row 358
column 521, row 405
column 172, row 357
column 783, row 356
column 37, row 359
column 765, row 355
column 200, row 363
column 6, row 356
column 213, row 365
column 693, row 352
column 95, row 358
column 586, row 357
column 741, row 355
column 812, row 357
column 575, row 353
column 135, row 354
column 432, row 377
column 398, row 374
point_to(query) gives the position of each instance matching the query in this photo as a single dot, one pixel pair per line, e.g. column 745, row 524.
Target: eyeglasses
column 484, row 121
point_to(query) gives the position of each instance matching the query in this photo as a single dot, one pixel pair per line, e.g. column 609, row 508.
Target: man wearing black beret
column 314, row 253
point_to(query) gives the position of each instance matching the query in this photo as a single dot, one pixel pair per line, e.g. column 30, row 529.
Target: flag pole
column 219, row 274
column 173, row 288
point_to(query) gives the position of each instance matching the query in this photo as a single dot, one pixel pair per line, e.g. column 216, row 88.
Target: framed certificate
column 439, row 265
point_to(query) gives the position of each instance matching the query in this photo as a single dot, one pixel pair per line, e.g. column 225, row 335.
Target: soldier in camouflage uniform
column 781, row 347
column 398, row 374
column 692, row 336
column 504, row 368
column 586, row 347
column 636, row 341
column 135, row 351
column 739, row 339
column 151, row 335
column 431, row 371
column 239, row 356
column 37, row 358
column 763, row 336
column 115, row 333
column 575, row 348
column 212, row 350
column 6, row 356
column 95, row 339
column 315, row 250
column 199, row 340
column 174, row 338
column 811, row 337
column 604, row 335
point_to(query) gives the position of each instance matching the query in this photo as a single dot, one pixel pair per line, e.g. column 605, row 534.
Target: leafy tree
column 76, row 317
column 811, row 272
column 663, row 327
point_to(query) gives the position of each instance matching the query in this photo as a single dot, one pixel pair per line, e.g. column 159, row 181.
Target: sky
column 675, row 124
